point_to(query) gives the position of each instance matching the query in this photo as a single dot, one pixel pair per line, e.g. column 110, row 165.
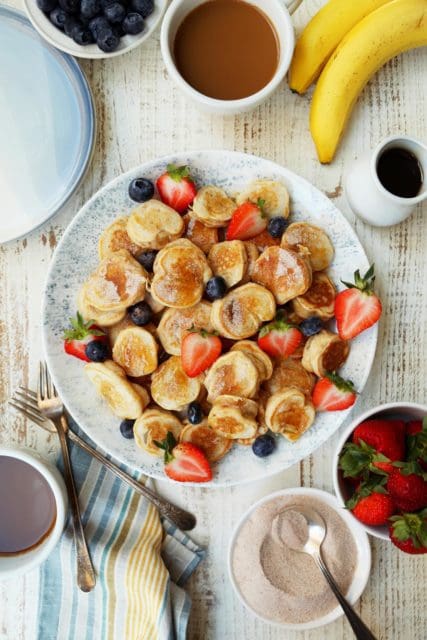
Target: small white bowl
column 58, row 39
column 363, row 566
column 16, row 565
column 402, row 410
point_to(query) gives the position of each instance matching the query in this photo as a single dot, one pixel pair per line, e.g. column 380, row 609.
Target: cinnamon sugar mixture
column 284, row 585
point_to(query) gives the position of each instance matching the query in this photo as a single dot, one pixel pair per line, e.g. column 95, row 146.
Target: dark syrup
column 400, row 172
column 27, row 507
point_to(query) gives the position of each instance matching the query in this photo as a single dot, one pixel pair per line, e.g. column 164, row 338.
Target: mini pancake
column 211, row 443
column 153, row 224
column 289, row 372
column 101, row 318
column 241, row 312
column 115, row 237
column 135, row 350
column 229, row 260
column 289, row 413
column 175, row 323
column 111, row 383
column 260, row 359
column 285, row 273
column 118, row 282
column 213, row 207
column 324, row 352
column 252, row 255
column 302, row 235
column 202, row 236
column 233, row 417
column 180, row 272
column 274, row 194
column 153, row 425
column 318, row 300
column 171, row 388
column 235, row 374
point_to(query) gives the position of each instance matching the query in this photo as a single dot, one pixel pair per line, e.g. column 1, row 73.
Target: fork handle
column 183, row 519
column 85, row 572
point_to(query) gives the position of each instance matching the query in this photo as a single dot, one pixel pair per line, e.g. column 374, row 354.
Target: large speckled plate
column 76, row 256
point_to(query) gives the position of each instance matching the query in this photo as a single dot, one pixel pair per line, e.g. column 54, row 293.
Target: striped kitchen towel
column 140, row 565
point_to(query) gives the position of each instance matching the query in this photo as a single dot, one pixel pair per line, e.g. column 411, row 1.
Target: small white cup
column 366, row 195
column 278, row 11
column 15, row 565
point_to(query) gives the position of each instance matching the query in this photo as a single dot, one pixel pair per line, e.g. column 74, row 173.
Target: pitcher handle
column 292, row 5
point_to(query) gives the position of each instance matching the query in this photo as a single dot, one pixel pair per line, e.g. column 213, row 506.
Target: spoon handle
column 361, row 631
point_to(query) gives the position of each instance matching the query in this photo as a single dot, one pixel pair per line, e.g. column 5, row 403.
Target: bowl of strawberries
column 380, row 473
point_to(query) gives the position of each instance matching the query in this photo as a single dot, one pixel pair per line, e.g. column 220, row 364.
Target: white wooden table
column 142, row 116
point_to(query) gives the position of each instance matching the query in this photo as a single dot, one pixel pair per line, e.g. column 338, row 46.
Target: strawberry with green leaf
column 408, row 532
column 333, row 393
column 247, row 221
column 407, row 484
column 358, row 460
column 371, row 504
column 184, row 462
column 279, row 338
column 176, row 188
column 357, row 308
column 416, row 438
column 80, row 335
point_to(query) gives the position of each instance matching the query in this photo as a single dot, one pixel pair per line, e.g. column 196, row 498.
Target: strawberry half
column 333, row 393
column 176, row 188
column 279, row 338
column 80, row 334
column 357, row 308
column 184, row 462
column 408, row 532
column 199, row 350
column 247, row 221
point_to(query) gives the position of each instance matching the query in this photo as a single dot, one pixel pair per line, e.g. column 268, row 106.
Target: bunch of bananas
column 343, row 46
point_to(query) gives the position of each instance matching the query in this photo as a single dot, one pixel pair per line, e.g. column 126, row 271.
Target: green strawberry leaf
column 80, row 329
column 177, row 173
column 168, row 445
column 340, row 383
column 357, row 460
column 373, row 484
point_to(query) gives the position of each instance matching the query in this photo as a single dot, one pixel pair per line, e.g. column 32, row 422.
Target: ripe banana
column 395, row 27
column 322, row 35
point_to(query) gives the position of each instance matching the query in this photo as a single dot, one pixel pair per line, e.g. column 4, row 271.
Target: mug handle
column 292, row 5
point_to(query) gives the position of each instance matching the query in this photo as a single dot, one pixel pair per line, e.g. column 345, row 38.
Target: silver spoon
column 316, row 532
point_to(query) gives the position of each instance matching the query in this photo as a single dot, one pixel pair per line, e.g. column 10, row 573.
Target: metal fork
column 25, row 401
column 51, row 407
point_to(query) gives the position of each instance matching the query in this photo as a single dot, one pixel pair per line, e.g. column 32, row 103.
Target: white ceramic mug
column 278, row 11
column 366, row 195
column 12, row 566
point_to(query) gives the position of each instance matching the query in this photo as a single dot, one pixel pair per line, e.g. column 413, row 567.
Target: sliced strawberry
column 247, row 221
column 279, row 338
column 332, row 393
column 176, row 188
column 357, row 308
column 184, row 462
column 408, row 532
column 80, row 334
column 199, row 349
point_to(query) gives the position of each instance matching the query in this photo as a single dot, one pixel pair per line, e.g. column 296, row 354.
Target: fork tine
column 19, row 395
column 47, row 381
column 32, row 415
column 40, row 394
column 50, row 385
column 27, row 391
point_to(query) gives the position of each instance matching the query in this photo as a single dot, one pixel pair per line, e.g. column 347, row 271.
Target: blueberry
column 97, row 351
column 264, row 445
column 90, row 8
column 117, row 29
column 311, row 326
column 115, row 13
column 106, row 40
column 70, row 24
column 146, row 258
column 143, row 7
column 133, row 24
column 140, row 189
column 97, row 24
column 46, row 5
column 126, row 429
column 83, row 36
column 58, row 17
column 276, row 226
column 216, row 288
column 194, row 413
column 140, row 314
column 70, row 6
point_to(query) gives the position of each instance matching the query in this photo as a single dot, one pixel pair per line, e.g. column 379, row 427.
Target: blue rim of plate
column 84, row 97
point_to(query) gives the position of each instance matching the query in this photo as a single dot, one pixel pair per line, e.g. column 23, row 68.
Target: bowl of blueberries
column 95, row 28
